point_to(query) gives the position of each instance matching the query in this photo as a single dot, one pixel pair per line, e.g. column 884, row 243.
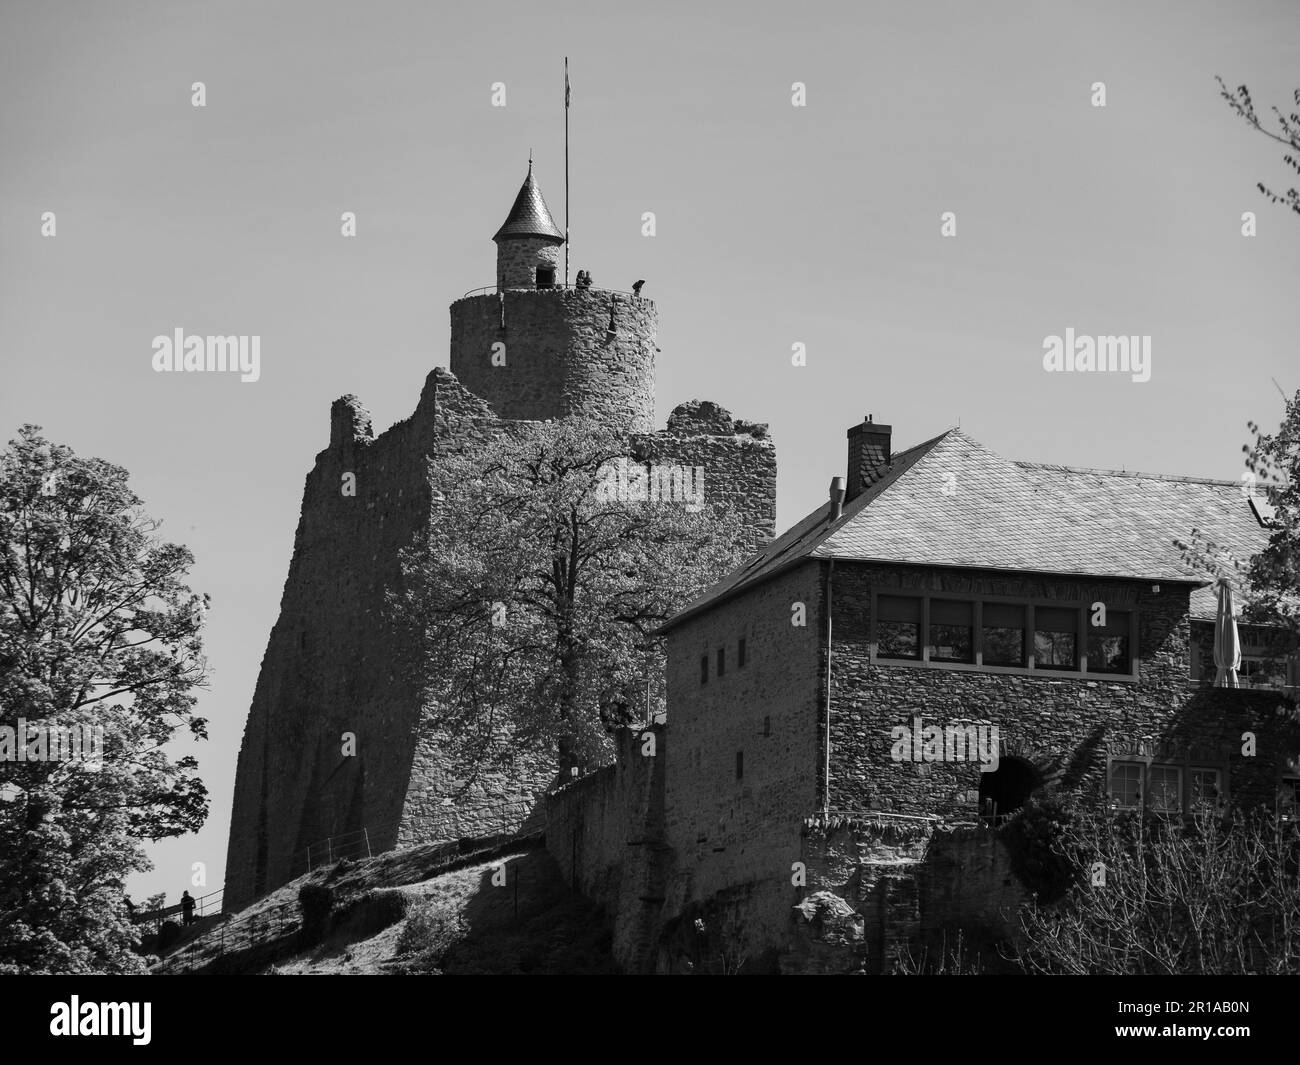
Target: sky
column 775, row 225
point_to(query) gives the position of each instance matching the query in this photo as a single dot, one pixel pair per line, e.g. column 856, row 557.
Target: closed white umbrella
column 1227, row 644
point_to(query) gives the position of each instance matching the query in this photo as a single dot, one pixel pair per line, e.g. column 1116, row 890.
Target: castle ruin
column 333, row 663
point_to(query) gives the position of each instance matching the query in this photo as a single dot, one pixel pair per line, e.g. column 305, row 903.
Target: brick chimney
column 868, row 456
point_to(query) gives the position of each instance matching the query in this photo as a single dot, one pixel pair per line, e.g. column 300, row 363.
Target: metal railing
column 232, row 934
column 246, row 930
column 496, row 818
column 204, row 906
column 555, row 287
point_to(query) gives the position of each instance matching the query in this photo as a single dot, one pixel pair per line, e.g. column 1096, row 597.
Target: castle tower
column 536, row 351
column 528, row 242
column 334, row 664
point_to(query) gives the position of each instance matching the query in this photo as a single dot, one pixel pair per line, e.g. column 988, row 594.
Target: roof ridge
column 1127, row 473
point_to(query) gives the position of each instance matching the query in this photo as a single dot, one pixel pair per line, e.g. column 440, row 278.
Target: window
column 722, row 660
column 952, row 631
column 1165, row 790
column 740, row 654
column 1159, row 786
column 1002, row 634
column 898, row 626
column 1056, row 637
column 545, row 277
column 1108, row 650
column 740, row 764
column 704, row 669
column 1205, row 787
column 767, row 726
column 1288, row 798
column 1126, row 783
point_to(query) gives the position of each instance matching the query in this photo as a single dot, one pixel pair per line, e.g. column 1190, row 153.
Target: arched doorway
column 1006, row 788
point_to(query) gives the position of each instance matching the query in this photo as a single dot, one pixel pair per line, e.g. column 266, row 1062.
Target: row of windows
column 1164, row 788
column 722, row 661
column 998, row 634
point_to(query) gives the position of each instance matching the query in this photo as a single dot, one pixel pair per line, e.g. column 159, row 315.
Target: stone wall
column 334, row 666
column 738, row 460
column 519, row 257
column 899, row 862
column 561, row 357
column 1061, row 725
column 914, row 883
column 606, row 832
column 735, row 839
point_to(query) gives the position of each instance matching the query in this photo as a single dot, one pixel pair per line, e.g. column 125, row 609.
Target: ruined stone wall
column 1062, row 725
column 561, row 357
column 333, row 665
column 606, row 833
column 913, row 884
column 738, row 460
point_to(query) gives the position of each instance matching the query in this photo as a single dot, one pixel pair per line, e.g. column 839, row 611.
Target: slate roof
column 529, row 217
column 1016, row 516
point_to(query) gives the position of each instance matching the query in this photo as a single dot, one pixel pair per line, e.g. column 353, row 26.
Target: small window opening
column 740, row 765
column 704, row 669
column 545, row 277
column 740, row 654
column 722, row 661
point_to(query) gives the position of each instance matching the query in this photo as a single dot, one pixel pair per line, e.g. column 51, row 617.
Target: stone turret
column 535, row 351
column 528, row 242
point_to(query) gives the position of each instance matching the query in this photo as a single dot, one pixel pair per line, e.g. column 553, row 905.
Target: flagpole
column 566, row 171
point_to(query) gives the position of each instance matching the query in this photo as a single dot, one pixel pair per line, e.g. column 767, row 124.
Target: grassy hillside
column 405, row 912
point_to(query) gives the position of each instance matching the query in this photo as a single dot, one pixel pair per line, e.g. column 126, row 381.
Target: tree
column 1241, row 103
column 536, row 591
column 1273, row 465
column 97, row 631
column 1270, row 578
column 1212, row 894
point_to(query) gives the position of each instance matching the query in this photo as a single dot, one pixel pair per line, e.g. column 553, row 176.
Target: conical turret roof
column 529, row 217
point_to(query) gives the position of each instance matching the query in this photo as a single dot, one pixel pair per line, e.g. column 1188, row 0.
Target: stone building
column 531, row 349
column 852, row 710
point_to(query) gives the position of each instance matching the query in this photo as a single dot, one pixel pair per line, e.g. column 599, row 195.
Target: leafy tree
column 1210, row 894
column 536, row 592
column 1270, row 578
column 97, row 630
column 1273, row 460
column 1289, row 125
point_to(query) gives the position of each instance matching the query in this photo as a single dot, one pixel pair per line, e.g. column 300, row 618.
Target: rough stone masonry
column 333, row 665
